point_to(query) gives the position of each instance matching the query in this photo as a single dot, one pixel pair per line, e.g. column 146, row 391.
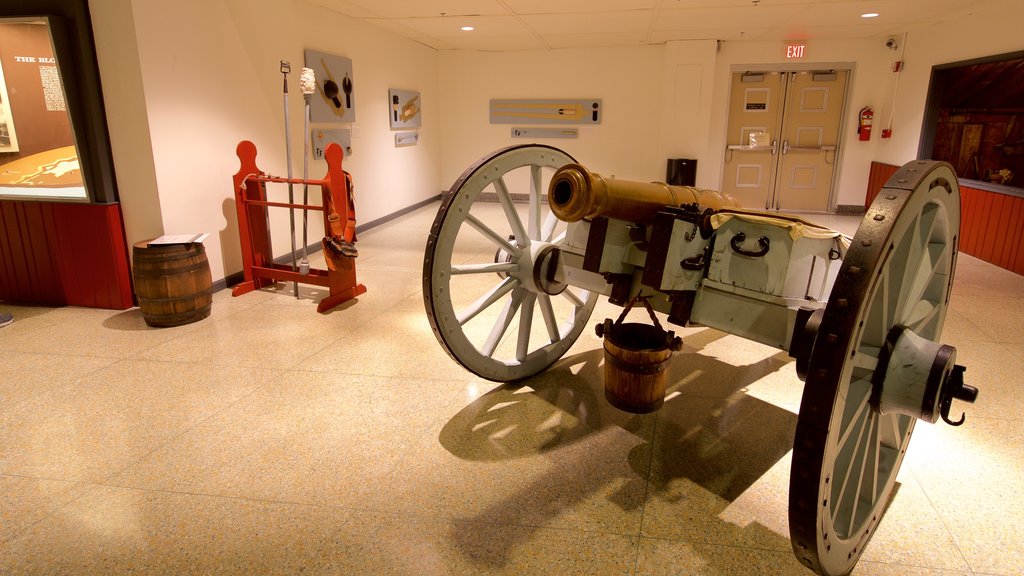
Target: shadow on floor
column 710, row 432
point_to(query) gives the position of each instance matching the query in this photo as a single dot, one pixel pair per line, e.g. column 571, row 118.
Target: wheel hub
column 537, row 265
column 918, row 377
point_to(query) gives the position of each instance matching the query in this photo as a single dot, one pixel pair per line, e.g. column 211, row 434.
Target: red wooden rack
column 253, row 225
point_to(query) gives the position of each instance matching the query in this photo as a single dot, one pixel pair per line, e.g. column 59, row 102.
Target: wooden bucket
column 636, row 362
column 173, row 283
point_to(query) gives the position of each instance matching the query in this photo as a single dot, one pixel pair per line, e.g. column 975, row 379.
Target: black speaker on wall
column 681, row 172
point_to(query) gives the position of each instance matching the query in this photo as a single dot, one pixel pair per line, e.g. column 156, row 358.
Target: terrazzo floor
column 270, row 439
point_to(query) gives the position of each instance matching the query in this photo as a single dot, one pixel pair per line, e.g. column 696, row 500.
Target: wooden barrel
column 636, row 361
column 173, row 283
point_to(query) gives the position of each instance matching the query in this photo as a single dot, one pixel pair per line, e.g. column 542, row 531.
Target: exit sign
column 795, row 51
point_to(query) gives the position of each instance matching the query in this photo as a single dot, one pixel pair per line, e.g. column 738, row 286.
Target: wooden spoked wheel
column 897, row 272
column 487, row 287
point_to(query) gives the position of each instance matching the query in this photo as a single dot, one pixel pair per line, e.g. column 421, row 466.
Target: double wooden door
column 783, row 139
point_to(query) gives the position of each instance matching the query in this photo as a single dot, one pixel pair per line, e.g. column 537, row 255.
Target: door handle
column 826, row 148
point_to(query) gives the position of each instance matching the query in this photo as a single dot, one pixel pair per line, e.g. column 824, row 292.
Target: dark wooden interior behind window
column 974, row 118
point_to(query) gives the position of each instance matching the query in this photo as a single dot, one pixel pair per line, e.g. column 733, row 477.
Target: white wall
column 993, row 30
column 185, row 81
column 628, row 80
column 131, row 143
column 209, row 76
column 659, row 102
column 687, row 103
column 671, row 100
column 871, row 84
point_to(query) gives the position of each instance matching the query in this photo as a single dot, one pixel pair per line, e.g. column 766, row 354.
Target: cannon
column 862, row 316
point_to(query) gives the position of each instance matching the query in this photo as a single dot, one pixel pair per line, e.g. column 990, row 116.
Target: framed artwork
column 404, row 108
column 335, row 96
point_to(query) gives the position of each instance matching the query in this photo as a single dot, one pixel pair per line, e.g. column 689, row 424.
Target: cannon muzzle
column 576, row 193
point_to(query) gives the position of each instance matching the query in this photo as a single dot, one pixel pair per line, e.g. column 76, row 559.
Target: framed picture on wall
column 8, row 137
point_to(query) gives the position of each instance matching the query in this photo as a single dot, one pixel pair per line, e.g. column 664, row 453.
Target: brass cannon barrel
column 576, row 193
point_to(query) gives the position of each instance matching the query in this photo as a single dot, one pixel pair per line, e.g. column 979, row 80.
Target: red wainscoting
column 879, row 175
column 991, row 224
column 64, row 254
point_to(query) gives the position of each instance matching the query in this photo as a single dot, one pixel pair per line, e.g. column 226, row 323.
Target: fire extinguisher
column 864, row 128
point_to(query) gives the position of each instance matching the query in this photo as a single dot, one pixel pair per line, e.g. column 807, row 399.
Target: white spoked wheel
column 486, row 285
column 846, row 453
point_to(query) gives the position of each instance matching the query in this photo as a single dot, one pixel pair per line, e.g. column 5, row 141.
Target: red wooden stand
column 253, row 225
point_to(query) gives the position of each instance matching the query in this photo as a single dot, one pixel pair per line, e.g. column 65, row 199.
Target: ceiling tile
column 431, row 8
column 436, row 43
column 346, row 7
column 622, row 21
column 734, row 17
column 580, row 7
column 450, row 27
column 497, row 43
column 595, row 40
column 395, row 27
column 539, row 24
column 659, row 36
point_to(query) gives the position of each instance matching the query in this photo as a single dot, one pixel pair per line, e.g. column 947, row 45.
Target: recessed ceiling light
column 869, row 15
column 468, row 28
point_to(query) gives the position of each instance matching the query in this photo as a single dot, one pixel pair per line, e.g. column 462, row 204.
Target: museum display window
column 39, row 158
column 974, row 119
column 52, row 106
column 62, row 238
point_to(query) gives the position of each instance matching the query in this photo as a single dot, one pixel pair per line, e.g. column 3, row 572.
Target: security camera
column 891, row 44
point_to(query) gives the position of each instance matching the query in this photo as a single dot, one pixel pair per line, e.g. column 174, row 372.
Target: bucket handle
column 629, row 306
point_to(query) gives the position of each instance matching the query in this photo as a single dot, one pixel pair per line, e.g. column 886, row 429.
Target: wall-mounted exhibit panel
column 406, row 139
column 322, row 137
column 405, row 109
column 38, row 155
column 554, row 111
column 520, row 132
column 334, row 99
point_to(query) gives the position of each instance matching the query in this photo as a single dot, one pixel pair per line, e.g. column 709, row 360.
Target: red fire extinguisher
column 864, row 128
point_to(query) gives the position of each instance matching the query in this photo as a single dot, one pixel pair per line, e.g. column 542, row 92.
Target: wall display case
column 62, row 238
column 8, row 136
column 39, row 158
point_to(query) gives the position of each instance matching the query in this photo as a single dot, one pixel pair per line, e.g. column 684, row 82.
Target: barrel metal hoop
column 156, row 273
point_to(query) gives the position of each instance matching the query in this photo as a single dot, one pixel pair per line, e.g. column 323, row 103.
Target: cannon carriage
column 861, row 316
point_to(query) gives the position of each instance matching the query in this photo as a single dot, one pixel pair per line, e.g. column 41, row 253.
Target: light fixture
column 869, row 15
column 468, row 28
